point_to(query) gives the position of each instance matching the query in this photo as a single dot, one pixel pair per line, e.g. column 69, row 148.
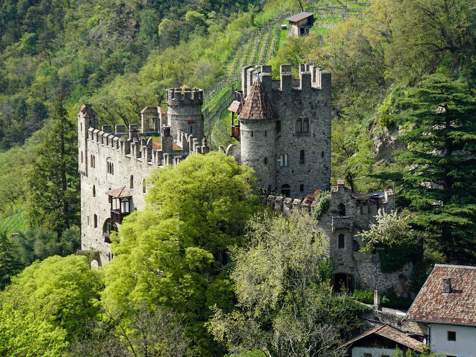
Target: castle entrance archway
column 343, row 282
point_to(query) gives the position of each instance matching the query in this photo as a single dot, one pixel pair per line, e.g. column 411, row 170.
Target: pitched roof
column 120, row 192
column 256, row 105
column 300, row 16
column 235, row 106
column 457, row 307
column 391, row 334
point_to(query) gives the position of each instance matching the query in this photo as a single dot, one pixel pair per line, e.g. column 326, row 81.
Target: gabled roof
column 256, row 106
column 120, row 192
column 391, row 334
column 457, row 307
column 299, row 17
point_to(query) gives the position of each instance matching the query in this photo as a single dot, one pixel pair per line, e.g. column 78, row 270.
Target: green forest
column 196, row 272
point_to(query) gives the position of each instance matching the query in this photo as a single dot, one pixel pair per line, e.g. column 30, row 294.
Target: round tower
column 258, row 137
column 185, row 111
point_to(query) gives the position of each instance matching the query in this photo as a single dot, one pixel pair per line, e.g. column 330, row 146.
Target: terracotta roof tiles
column 256, row 106
column 457, row 307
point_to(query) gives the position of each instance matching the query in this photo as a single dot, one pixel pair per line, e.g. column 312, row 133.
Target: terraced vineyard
column 256, row 47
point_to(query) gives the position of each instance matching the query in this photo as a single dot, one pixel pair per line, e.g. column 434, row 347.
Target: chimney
column 447, row 285
column 377, row 303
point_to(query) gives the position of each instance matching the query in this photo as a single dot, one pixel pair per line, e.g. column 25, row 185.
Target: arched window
column 94, row 190
column 95, row 221
column 144, row 186
column 286, row 190
column 131, row 181
column 341, row 209
column 302, row 157
column 341, row 241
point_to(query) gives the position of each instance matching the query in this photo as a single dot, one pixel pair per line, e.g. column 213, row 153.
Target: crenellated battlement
column 311, row 77
column 181, row 96
column 286, row 205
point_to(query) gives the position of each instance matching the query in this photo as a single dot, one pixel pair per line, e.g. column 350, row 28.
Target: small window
column 265, row 161
column 82, row 159
column 131, row 181
column 322, row 154
column 451, row 336
column 265, row 133
column 95, row 221
column 305, row 125
column 302, row 157
column 341, row 241
column 144, row 186
column 283, row 160
column 301, row 187
column 190, row 129
column 93, row 161
column 278, row 126
column 251, row 133
column 385, row 355
column 94, row 190
column 110, row 167
column 341, row 209
column 299, row 126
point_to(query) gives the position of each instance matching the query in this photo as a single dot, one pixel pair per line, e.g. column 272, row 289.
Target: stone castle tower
column 114, row 165
column 285, row 128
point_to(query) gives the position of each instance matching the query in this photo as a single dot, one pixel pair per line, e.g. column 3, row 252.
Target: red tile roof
column 256, row 105
column 391, row 334
column 457, row 307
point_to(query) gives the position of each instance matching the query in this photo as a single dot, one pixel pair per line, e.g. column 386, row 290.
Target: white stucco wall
column 464, row 346
column 376, row 352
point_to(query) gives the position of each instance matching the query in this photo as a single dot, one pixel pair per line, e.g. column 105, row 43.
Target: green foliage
column 9, row 265
column 285, row 304
column 173, row 253
column 54, row 183
column 46, row 305
column 439, row 131
column 322, row 205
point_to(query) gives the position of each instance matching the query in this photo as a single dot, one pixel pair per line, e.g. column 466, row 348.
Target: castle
column 284, row 130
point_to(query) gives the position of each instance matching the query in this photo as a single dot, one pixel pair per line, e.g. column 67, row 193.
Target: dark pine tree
column 54, row 199
column 438, row 180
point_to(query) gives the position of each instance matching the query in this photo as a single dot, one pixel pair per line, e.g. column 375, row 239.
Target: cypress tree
column 54, row 198
column 438, row 180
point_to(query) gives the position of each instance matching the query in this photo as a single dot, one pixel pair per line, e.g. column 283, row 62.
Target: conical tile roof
column 256, row 106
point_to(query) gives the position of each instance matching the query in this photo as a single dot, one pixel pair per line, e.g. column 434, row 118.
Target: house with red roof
column 446, row 306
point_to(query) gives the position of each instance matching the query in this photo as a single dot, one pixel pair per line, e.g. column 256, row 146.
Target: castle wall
column 258, row 150
column 96, row 184
column 348, row 214
column 302, row 112
column 185, row 111
column 125, row 159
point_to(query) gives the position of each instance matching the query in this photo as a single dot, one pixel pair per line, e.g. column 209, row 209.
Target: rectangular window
column 367, row 355
column 283, row 160
column 305, row 126
column 451, row 336
column 299, row 126
column 278, row 126
column 302, row 157
column 341, row 241
column 301, row 187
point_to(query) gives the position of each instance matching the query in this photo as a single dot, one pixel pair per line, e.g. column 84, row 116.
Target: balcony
column 342, row 222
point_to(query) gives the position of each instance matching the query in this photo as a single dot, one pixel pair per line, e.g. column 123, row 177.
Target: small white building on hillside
column 446, row 305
